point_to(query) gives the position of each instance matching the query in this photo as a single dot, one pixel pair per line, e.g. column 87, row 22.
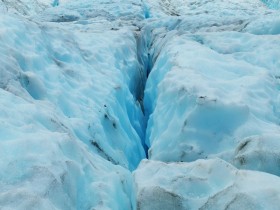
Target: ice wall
column 75, row 119
column 273, row 4
column 71, row 121
column 212, row 92
column 214, row 87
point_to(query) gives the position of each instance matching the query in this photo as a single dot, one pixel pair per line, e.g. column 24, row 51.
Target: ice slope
column 71, row 123
column 25, row 7
column 213, row 89
column 204, row 184
column 273, row 4
column 44, row 166
column 124, row 12
column 72, row 76
column 205, row 8
column 89, row 86
column 212, row 92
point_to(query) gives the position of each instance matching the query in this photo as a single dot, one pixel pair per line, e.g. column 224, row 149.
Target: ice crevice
column 205, row 77
column 139, row 104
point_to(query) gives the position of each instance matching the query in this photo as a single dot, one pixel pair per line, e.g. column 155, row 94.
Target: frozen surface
column 70, row 117
column 86, row 86
column 204, row 184
column 25, row 7
column 207, row 8
column 273, row 4
column 211, row 86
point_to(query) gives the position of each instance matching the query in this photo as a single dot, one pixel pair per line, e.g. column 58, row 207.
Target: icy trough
column 152, row 104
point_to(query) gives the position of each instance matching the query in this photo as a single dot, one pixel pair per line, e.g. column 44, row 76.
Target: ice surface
column 43, row 166
column 259, row 153
column 70, row 116
column 90, row 86
column 206, row 8
column 273, row 4
column 75, row 119
column 204, row 184
column 26, row 7
column 211, row 87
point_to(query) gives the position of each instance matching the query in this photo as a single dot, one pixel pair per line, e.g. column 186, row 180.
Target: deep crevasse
column 213, row 100
column 71, row 125
column 72, row 82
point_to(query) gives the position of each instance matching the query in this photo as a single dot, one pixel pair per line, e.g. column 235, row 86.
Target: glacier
column 139, row 104
column 203, row 184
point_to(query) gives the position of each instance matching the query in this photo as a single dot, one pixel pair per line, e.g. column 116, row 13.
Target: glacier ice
column 66, row 74
column 202, row 109
column 204, row 184
column 212, row 92
column 71, row 125
column 205, row 106
column 273, row 4
column 87, row 87
column 26, row 7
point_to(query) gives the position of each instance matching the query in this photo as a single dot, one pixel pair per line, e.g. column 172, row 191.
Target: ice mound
column 207, row 91
column 72, row 127
column 116, row 10
column 68, row 112
column 92, row 86
column 203, row 184
column 44, row 166
column 26, row 7
column 203, row 105
column 267, row 25
column 219, row 8
column 259, row 153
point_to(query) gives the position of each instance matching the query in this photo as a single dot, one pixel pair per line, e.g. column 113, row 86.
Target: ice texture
column 204, row 184
column 273, row 4
column 25, row 7
column 212, row 92
column 89, row 88
column 213, row 86
column 70, row 116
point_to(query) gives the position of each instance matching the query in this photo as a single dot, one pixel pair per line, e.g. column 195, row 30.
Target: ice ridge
column 139, row 104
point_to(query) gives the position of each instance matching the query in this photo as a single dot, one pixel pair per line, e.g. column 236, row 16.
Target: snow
column 88, row 89
column 203, row 184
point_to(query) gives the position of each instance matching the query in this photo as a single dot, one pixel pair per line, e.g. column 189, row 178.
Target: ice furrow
column 91, row 88
column 211, row 98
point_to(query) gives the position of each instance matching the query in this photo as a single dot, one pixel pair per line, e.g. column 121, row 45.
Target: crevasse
column 91, row 88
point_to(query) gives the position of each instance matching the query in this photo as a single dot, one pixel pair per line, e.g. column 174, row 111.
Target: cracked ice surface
column 212, row 92
column 70, row 122
column 204, row 184
column 72, row 76
column 212, row 88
